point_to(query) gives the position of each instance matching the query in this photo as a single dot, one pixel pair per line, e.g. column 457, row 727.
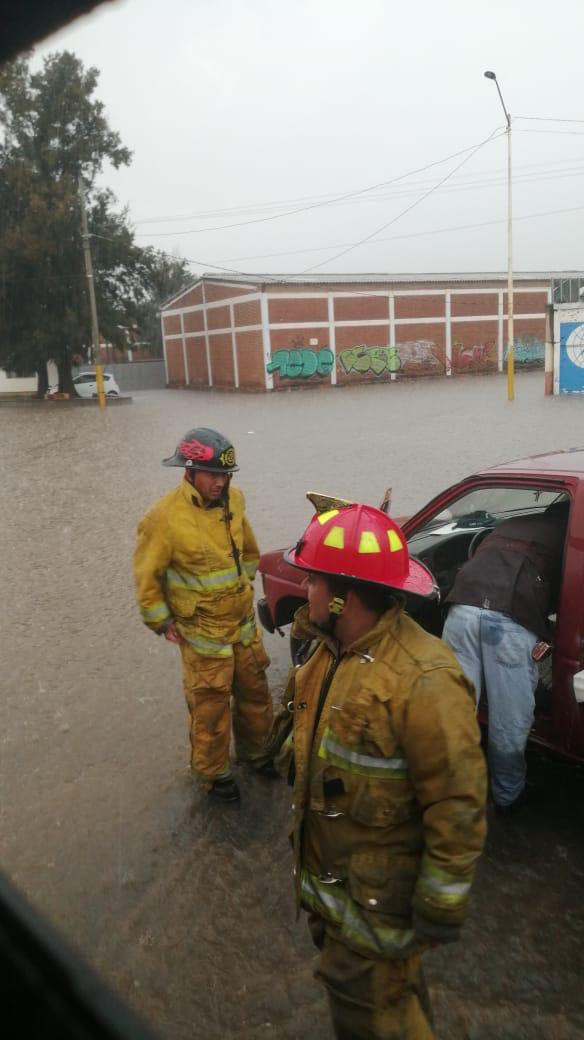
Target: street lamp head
column 490, row 75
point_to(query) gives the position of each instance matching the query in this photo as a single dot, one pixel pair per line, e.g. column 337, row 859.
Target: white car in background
column 86, row 386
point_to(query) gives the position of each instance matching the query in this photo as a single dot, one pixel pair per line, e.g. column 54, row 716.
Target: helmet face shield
column 204, row 449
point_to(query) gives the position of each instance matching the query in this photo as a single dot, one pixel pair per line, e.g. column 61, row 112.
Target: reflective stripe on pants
column 487, row 643
column 209, row 685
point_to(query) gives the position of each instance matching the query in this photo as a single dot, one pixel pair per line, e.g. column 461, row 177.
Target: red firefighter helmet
column 361, row 543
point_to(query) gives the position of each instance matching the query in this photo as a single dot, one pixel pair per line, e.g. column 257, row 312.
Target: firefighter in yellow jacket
column 195, row 560
column 389, row 778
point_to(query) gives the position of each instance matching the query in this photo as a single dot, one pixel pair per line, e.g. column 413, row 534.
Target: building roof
column 261, row 281
column 383, row 277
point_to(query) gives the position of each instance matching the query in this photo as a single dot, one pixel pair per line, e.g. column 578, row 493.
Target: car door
column 85, row 384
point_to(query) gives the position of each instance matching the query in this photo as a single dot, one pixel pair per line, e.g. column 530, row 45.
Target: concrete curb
column 78, row 402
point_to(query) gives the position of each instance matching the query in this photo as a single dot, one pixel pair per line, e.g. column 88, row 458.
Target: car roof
column 564, row 460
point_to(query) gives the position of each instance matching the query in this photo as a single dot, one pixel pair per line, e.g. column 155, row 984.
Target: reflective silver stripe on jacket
column 333, row 902
column 178, row 579
column 395, row 767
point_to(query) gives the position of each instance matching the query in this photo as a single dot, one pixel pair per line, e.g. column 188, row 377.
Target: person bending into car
column 389, row 777
column 497, row 626
column 195, row 560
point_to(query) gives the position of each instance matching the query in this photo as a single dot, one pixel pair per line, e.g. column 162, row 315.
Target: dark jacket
column 517, row 570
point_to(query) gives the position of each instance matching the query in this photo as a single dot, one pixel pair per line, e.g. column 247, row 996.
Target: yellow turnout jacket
column 390, row 788
column 196, row 565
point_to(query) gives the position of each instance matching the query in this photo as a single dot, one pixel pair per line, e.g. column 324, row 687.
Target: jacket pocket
column 377, row 803
column 183, row 604
column 382, row 882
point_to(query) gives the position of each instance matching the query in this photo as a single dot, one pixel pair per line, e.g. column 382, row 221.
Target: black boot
column 225, row 790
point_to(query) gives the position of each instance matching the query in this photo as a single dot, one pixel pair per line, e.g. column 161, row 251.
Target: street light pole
column 510, row 334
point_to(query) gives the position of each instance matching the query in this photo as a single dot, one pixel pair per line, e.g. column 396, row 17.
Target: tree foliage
column 54, row 135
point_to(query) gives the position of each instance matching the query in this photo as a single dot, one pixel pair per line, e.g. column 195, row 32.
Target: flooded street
column 186, row 908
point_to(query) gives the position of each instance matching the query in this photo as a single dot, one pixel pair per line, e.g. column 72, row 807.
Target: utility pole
column 92, row 302
column 510, row 331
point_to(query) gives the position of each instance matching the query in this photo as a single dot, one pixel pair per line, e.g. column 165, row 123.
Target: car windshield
column 486, row 506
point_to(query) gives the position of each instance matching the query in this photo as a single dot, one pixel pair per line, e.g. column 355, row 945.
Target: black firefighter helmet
column 206, row 449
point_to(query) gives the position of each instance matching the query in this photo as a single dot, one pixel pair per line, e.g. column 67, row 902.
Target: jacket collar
column 193, row 497
column 387, row 625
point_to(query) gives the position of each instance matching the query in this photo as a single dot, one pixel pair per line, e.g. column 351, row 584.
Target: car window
column 484, row 507
column 85, row 377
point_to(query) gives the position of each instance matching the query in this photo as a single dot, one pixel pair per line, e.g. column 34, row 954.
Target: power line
column 314, row 249
column 546, row 119
column 416, row 234
column 318, row 205
column 410, row 234
column 255, row 206
column 476, row 185
column 493, row 136
column 565, row 133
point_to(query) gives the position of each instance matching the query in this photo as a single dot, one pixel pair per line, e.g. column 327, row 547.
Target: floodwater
column 184, row 907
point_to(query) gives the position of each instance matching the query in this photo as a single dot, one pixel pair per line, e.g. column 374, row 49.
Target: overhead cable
column 493, row 136
column 406, row 235
column 318, row 205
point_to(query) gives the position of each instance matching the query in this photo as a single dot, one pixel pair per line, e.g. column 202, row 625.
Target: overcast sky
column 241, row 109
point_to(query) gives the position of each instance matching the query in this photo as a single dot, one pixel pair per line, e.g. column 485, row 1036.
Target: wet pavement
column 184, row 907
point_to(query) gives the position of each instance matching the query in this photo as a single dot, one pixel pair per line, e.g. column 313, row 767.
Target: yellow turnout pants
column 374, row 999
column 219, row 690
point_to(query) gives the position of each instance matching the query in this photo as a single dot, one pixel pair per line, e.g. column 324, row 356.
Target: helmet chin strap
column 336, row 607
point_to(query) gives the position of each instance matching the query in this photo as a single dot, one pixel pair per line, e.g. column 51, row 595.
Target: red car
column 446, row 531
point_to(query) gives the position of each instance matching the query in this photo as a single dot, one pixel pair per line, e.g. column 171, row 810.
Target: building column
column 234, row 347
column 332, row 337
column 448, row 333
column 207, row 348
column 392, row 343
column 500, row 324
column 267, row 349
column 184, row 347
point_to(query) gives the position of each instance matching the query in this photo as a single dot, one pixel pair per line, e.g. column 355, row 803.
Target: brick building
column 269, row 333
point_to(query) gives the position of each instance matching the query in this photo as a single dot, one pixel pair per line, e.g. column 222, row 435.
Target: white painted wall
column 26, row 384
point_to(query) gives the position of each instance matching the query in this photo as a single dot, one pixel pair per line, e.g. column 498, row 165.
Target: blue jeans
column 492, row 647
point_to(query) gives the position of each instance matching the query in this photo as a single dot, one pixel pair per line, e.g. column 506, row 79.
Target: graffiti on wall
column 475, row 357
column 409, row 357
column 301, row 363
column 422, row 356
column 413, row 357
column 527, row 350
column 364, row 359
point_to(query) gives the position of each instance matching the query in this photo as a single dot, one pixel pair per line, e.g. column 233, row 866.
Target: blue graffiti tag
column 527, row 351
